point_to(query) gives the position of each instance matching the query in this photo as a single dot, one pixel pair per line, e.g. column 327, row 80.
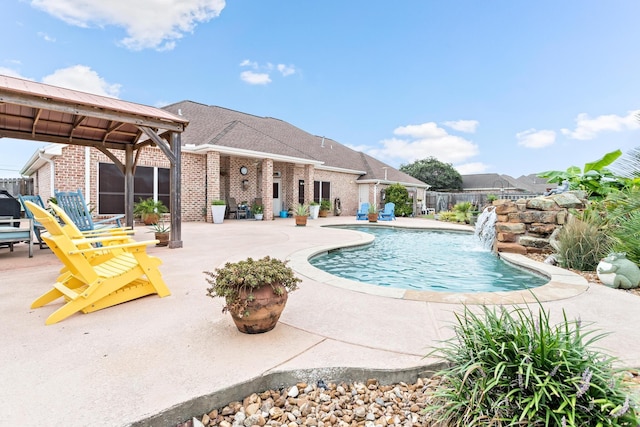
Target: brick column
column 213, row 180
column 267, row 188
column 309, row 172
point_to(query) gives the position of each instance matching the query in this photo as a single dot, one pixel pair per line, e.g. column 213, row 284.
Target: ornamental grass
column 509, row 367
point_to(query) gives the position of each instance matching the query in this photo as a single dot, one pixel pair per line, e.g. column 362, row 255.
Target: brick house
column 226, row 154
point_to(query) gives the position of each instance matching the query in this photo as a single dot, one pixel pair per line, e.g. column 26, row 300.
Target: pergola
column 40, row 112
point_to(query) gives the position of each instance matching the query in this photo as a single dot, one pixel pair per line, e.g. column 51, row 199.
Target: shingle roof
column 228, row 128
column 493, row 181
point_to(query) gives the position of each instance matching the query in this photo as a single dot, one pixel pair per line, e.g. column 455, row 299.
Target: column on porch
column 267, row 188
column 213, row 180
column 309, row 172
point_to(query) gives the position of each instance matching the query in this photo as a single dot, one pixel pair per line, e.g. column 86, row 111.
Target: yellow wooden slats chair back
column 90, row 283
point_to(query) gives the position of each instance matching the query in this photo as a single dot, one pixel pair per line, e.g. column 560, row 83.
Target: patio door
column 277, row 193
column 363, row 194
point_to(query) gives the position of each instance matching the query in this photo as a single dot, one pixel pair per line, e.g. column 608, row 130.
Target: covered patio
column 39, row 112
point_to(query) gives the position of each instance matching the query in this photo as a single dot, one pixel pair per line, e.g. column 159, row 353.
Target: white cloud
column 588, row 128
column 264, row 75
column 11, row 73
column 286, row 70
column 46, row 37
column 468, row 126
column 247, row 63
column 82, row 78
column 255, row 78
column 423, row 141
column 155, row 24
column 471, row 168
column 533, row 138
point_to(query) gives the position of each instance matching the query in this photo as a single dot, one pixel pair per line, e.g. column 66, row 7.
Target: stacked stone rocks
column 526, row 226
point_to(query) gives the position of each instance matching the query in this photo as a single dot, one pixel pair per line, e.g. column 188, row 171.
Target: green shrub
column 447, row 216
column 514, row 368
column 463, row 211
column 582, row 243
column 398, row 195
column 624, row 222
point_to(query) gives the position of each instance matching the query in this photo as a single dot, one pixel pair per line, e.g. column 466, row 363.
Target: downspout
column 52, row 171
column 375, row 194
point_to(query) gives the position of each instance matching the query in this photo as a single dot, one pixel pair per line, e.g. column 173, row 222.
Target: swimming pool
column 426, row 260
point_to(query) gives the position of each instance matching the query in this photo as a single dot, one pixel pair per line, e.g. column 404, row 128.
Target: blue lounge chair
column 363, row 212
column 37, row 227
column 388, row 213
column 75, row 207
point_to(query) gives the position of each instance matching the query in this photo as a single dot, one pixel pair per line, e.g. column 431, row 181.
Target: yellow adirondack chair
column 98, row 256
column 89, row 283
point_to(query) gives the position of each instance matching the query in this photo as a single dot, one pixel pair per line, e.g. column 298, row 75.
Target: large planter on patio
column 218, row 211
column 263, row 310
column 314, row 210
column 255, row 305
column 373, row 217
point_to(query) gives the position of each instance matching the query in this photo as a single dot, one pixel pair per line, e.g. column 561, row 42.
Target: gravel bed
column 366, row 404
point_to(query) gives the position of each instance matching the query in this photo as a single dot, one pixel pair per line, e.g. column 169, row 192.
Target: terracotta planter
column 264, row 310
column 301, row 220
column 163, row 237
column 323, row 213
column 150, row 218
column 373, row 217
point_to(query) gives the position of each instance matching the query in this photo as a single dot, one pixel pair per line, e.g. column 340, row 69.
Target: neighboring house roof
column 498, row 182
column 537, row 184
column 233, row 132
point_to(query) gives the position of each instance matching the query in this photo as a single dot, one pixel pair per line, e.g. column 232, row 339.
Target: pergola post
column 175, row 202
column 128, row 185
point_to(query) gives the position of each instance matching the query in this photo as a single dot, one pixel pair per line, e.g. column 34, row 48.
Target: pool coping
column 562, row 283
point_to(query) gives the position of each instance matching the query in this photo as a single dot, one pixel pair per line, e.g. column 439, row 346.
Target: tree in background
column 440, row 176
column 398, row 195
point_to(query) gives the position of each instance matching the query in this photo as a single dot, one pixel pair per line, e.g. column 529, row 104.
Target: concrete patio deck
column 121, row 365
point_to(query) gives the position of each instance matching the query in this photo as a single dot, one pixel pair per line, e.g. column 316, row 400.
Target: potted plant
column 325, row 207
column 301, row 213
column 149, row 210
column 258, row 211
column 314, row 210
column 255, row 291
column 162, row 233
column 218, row 209
column 373, row 214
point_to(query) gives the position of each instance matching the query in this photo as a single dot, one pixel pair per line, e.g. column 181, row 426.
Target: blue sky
column 499, row 86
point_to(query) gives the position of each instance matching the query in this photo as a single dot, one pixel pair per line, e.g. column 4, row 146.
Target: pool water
column 426, row 260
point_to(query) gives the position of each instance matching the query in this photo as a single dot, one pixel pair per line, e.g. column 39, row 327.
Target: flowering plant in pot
column 255, row 291
column 258, row 211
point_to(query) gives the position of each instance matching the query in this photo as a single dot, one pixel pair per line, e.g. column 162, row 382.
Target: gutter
column 248, row 153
